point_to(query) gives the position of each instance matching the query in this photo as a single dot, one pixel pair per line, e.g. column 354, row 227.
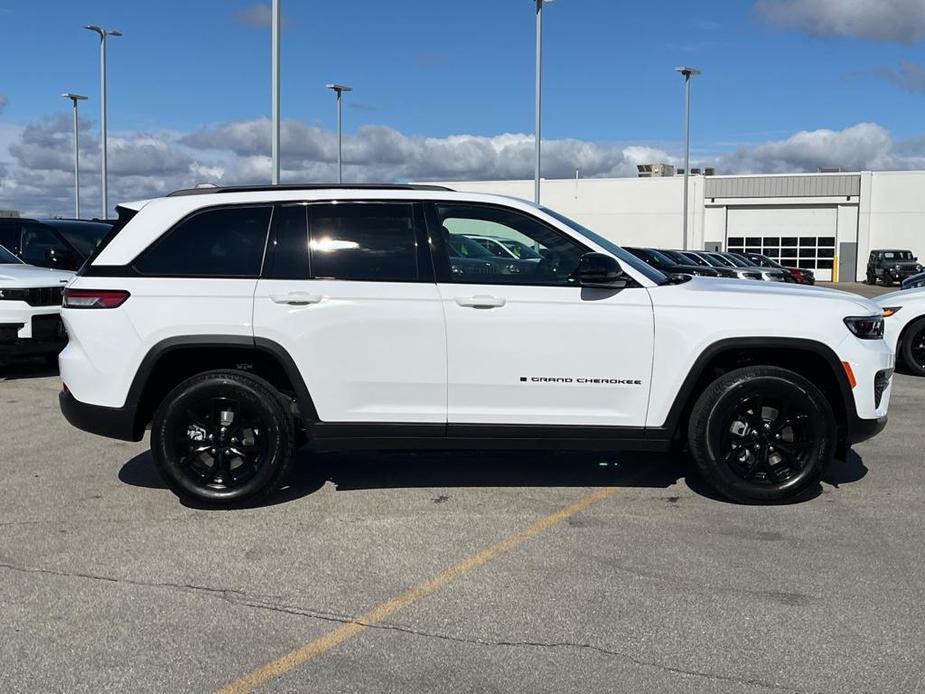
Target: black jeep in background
column 891, row 266
column 61, row 244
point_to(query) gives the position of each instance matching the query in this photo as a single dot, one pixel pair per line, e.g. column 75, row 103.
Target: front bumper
column 862, row 429
column 42, row 335
column 112, row 422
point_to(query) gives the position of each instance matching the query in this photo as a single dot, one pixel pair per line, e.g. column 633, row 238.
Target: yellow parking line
column 283, row 664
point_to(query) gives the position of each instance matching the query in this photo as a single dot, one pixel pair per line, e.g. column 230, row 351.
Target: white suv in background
column 238, row 322
column 30, row 308
column 905, row 326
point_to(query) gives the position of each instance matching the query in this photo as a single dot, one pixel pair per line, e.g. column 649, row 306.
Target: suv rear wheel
column 762, row 434
column 913, row 347
column 223, row 438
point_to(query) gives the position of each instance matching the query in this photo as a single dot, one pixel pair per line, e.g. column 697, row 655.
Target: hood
column 900, row 297
column 777, row 293
column 27, row 276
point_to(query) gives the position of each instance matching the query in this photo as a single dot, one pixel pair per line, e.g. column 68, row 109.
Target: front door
column 525, row 345
column 348, row 291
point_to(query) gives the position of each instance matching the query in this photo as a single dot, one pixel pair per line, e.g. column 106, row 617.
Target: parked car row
column 748, row 266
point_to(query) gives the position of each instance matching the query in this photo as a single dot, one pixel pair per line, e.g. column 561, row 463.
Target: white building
column 826, row 222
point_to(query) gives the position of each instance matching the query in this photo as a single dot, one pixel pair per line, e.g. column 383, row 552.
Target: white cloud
column 879, row 20
column 3, row 102
column 38, row 176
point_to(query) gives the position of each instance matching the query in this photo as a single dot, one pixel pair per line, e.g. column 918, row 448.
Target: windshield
column 736, row 260
column 897, row 255
column 624, row 256
column 84, row 237
column 464, row 247
column 714, row 261
column 520, row 250
column 7, row 258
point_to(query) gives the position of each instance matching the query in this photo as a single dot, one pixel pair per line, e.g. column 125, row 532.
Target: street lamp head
column 339, row 87
column 101, row 31
column 74, row 97
column 687, row 71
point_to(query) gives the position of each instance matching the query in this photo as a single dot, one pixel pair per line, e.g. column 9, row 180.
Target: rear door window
column 364, row 242
column 223, row 242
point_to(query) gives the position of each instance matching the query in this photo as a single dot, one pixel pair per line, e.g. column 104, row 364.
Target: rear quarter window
column 223, row 242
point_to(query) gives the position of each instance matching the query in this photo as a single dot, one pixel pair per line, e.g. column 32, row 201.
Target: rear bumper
column 112, row 422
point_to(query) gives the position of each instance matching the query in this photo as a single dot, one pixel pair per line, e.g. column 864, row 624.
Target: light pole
column 538, row 99
column 276, row 20
column 103, row 33
column 688, row 72
column 74, row 99
column 339, row 89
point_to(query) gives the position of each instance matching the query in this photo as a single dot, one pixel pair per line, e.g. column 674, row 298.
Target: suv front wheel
column 223, row 438
column 762, row 434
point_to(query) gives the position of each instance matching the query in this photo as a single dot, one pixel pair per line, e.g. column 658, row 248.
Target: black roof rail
column 208, row 190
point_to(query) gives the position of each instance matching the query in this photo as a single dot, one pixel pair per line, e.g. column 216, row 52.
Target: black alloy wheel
column 762, row 434
column 913, row 347
column 223, row 438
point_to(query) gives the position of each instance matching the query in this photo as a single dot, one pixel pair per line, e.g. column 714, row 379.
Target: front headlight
column 866, row 327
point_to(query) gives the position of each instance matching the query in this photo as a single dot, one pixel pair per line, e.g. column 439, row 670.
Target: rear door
column 348, row 290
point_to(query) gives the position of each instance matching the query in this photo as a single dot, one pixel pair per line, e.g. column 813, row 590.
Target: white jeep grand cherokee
column 240, row 322
column 30, row 308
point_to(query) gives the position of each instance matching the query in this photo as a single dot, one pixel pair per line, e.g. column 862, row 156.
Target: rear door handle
column 481, row 301
column 296, row 298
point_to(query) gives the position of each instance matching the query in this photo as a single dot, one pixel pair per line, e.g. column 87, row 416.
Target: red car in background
column 796, row 274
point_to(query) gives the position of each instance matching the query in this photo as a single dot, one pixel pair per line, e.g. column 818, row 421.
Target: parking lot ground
column 110, row 584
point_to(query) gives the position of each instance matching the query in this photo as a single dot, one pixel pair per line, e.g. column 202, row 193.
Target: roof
column 210, row 190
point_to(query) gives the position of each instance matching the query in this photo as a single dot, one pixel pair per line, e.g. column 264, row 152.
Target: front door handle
column 481, row 301
column 296, row 298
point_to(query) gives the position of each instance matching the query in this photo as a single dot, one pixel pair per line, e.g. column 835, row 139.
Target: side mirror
column 599, row 270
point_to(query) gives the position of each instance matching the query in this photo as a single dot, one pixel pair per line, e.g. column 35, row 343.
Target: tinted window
column 554, row 259
column 39, row 244
column 84, row 236
column 287, row 258
column 7, row 258
column 9, row 235
column 226, row 242
column 369, row 241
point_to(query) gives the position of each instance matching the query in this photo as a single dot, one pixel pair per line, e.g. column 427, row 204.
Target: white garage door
column 802, row 237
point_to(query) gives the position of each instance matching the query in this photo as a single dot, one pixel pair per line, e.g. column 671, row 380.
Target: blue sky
column 771, row 68
column 437, row 68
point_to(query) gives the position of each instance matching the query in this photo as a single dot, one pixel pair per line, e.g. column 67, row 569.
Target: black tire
column 871, row 278
column 913, row 347
column 762, row 434
column 223, row 438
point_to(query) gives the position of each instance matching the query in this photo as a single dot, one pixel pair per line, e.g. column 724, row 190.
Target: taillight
column 94, row 298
